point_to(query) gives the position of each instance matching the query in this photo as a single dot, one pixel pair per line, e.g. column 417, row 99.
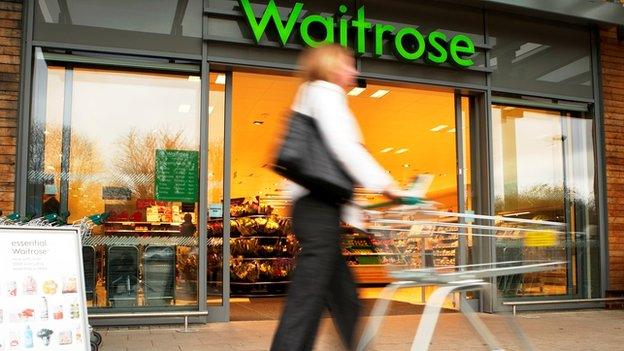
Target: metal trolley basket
column 415, row 228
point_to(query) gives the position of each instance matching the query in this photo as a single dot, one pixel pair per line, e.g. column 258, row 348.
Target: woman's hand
column 393, row 192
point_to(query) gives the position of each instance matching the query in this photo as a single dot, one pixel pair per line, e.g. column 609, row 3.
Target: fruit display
column 250, row 208
column 244, row 246
column 244, row 271
column 276, row 270
column 215, row 228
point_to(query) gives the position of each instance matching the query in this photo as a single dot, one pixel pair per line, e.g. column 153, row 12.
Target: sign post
column 42, row 294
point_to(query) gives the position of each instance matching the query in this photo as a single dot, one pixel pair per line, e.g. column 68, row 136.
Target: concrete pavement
column 573, row 330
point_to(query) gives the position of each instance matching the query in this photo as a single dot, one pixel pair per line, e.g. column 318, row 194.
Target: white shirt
column 327, row 104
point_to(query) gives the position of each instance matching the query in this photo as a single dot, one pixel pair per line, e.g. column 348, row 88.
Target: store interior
column 409, row 131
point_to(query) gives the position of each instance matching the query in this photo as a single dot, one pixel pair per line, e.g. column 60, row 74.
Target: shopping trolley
column 86, row 225
column 416, row 222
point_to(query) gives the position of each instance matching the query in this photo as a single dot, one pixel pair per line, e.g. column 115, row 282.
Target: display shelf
column 257, row 237
column 262, row 258
column 373, row 254
column 142, row 223
column 141, row 231
column 261, row 283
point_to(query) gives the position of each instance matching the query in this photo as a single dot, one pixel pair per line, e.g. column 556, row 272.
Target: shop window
column 123, row 143
column 544, row 169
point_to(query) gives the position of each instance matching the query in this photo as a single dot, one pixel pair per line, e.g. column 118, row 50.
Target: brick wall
column 10, row 50
column 612, row 61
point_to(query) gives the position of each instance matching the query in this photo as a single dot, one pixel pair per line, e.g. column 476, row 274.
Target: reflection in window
column 544, row 170
column 170, row 17
column 124, row 144
column 543, row 57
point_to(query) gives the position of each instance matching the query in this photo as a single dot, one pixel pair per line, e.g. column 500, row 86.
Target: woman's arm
column 341, row 134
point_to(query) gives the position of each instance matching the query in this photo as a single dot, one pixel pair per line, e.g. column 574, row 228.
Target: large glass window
column 124, row 143
column 540, row 56
column 544, row 170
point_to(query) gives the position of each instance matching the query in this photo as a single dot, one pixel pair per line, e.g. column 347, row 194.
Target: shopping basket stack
column 420, row 233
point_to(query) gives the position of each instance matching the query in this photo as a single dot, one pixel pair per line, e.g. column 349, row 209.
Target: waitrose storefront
column 164, row 115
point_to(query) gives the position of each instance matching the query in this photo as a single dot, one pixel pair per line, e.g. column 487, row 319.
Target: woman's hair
column 320, row 63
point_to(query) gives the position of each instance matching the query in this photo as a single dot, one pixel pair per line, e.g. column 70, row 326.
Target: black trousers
column 321, row 279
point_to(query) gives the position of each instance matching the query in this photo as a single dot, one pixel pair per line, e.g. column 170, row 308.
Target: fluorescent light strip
column 438, row 128
column 194, row 79
column 379, row 93
column 388, row 149
column 210, row 109
column 402, row 150
column 220, row 79
column 356, row 91
column 451, row 130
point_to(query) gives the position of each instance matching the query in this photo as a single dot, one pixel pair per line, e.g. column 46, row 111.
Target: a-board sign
column 42, row 294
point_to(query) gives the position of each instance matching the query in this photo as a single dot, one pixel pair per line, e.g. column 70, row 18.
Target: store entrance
column 408, row 129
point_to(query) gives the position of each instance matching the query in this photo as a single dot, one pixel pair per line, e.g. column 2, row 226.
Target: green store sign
column 435, row 47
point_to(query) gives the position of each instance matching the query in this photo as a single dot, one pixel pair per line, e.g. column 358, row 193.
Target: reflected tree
column 136, row 162
column 83, row 174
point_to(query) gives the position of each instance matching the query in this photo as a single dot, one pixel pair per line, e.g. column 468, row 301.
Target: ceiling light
column 194, row 79
column 379, row 93
column 451, row 130
column 438, row 128
column 507, row 108
column 402, row 150
column 388, row 149
column 220, row 79
column 356, row 91
column 258, row 123
column 210, row 109
column 184, row 108
column 406, row 165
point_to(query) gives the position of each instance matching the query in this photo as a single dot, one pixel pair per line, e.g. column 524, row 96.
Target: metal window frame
column 599, row 142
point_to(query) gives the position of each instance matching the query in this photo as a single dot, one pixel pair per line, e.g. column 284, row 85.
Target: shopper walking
column 322, row 278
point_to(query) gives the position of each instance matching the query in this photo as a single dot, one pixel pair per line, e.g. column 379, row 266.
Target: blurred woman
column 322, row 277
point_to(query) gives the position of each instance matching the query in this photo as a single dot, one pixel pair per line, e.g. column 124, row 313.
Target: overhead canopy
column 598, row 11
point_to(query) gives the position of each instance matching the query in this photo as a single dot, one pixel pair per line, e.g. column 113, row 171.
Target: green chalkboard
column 177, row 175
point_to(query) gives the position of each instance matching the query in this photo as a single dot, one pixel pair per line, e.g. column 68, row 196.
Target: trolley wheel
column 96, row 338
column 94, row 346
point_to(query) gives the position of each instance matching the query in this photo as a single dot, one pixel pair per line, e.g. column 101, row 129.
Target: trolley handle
column 403, row 200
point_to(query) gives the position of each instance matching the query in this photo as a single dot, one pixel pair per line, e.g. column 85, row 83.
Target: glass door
column 543, row 162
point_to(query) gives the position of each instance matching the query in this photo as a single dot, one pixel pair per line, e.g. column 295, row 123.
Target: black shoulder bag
column 305, row 159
